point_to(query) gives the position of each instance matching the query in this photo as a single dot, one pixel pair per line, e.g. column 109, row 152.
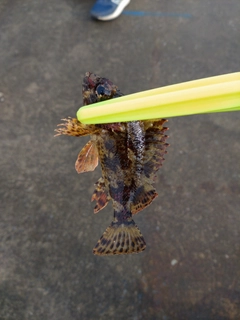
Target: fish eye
column 100, row 90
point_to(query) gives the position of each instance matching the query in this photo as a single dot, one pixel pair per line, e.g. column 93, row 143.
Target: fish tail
column 120, row 238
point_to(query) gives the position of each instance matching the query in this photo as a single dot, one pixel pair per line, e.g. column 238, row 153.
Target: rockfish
column 130, row 154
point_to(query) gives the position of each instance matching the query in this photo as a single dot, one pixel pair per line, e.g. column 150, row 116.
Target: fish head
column 96, row 89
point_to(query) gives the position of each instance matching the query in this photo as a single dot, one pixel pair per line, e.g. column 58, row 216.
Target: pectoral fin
column 73, row 127
column 87, row 158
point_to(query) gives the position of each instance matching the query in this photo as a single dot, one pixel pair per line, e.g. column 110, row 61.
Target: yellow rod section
column 214, row 94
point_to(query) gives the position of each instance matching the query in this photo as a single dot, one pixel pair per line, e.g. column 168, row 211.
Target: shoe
column 108, row 9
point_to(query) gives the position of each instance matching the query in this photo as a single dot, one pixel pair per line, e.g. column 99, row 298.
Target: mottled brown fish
column 130, row 154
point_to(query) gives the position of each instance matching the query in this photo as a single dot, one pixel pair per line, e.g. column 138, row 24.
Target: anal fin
column 120, row 238
column 100, row 195
column 87, row 159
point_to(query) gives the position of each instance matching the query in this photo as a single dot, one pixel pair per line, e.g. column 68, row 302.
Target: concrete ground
column 191, row 267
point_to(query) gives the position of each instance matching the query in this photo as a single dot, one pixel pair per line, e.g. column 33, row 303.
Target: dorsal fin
column 155, row 148
column 120, row 238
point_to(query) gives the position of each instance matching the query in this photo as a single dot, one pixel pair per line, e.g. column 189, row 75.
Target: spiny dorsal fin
column 120, row 238
column 155, row 148
column 100, row 195
column 143, row 197
column 87, row 159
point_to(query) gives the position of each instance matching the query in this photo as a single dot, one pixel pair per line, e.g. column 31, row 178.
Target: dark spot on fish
column 103, row 242
column 112, row 245
column 122, row 244
column 133, row 244
column 121, row 250
column 147, row 169
column 93, row 98
column 127, row 242
column 139, row 191
column 101, row 202
column 110, row 144
column 97, row 245
column 110, row 164
column 118, row 244
column 118, row 191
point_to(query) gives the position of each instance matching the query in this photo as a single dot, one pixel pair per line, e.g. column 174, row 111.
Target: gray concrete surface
column 191, row 267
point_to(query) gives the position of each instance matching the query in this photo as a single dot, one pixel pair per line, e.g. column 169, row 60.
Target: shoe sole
column 116, row 13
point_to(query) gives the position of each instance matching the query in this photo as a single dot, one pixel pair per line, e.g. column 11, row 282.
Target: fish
column 130, row 154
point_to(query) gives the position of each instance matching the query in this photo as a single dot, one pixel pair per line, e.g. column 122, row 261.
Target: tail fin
column 120, row 238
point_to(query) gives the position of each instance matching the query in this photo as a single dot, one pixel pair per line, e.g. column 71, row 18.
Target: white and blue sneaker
column 108, row 9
